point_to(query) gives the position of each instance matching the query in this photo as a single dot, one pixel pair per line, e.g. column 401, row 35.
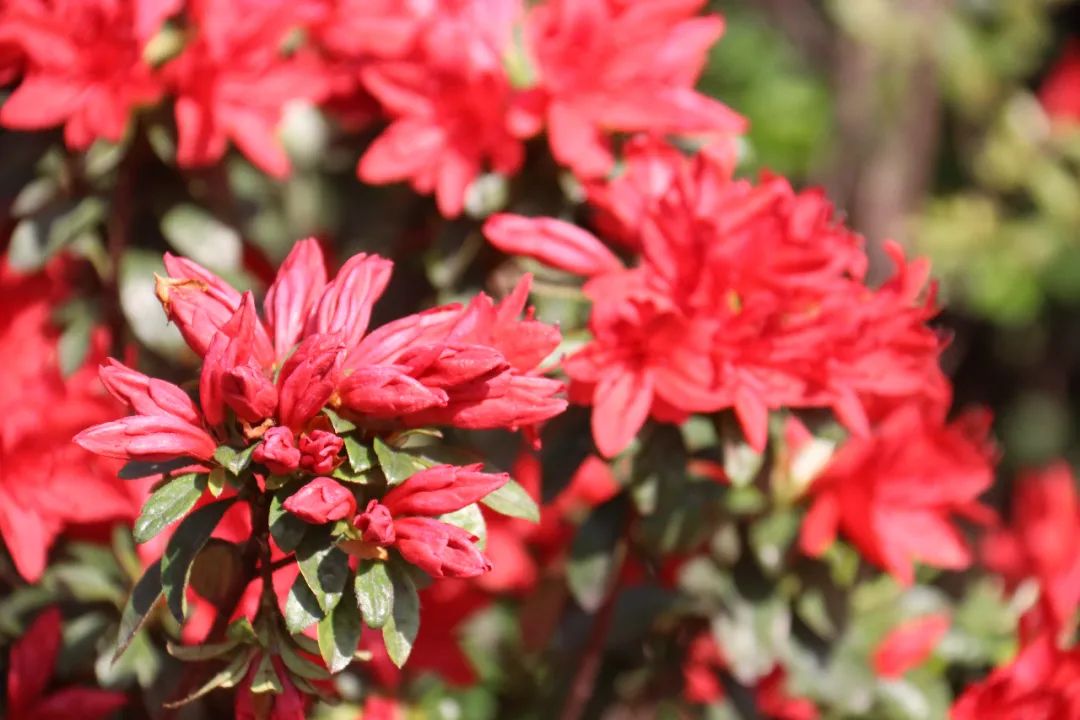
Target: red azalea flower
column 33, row 657
column 1042, row 682
column 1060, row 91
column 608, row 66
column 893, row 493
column 704, row 660
column 775, row 703
column 232, row 81
column 909, row 645
column 40, row 410
column 82, row 66
column 1040, row 543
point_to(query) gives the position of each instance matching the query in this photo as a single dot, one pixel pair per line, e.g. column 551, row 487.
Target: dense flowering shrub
column 626, row 432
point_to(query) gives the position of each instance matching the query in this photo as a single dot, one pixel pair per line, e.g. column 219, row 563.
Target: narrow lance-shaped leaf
column 167, row 504
column 228, row 677
column 513, row 500
column 143, row 596
column 338, row 634
column 374, row 592
column 399, row 632
column 185, row 544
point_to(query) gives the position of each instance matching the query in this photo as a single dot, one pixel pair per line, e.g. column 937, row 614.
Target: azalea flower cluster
column 308, row 414
column 761, row 430
column 462, row 84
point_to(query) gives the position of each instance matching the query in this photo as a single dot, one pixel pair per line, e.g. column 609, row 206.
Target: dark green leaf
column 324, row 567
column 300, row 665
column 591, row 565
column 361, row 457
column 340, row 424
column 216, row 482
column 338, row 635
column 399, row 632
column 374, row 592
column 167, row 504
column 397, row 465
column 513, row 500
column 239, row 462
column 265, row 679
column 136, row 469
column 301, row 607
column 139, row 603
column 197, row 653
column 287, row 529
column 185, row 544
column 74, row 343
column 228, row 677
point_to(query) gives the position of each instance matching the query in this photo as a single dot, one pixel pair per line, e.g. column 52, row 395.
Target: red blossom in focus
column 33, row 657
column 909, row 645
column 894, row 493
column 321, row 501
column 1039, row 543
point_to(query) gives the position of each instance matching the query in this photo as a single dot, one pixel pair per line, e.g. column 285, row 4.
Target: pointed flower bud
column 438, row 548
column 146, row 395
column 319, row 452
column 442, row 489
column 299, row 284
column 278, row 451
column 385, row 391
column 345, row 306
column 375, row 524
column 231, row 348
column 308, row 379
column 147, row 437
column 249, row 393
column 321, row 501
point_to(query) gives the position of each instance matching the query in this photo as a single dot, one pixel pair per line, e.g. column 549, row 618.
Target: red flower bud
column 147, row 437
column 321, row 501
column 319, row 451
column 299, row 283
column 147, row 395
column 442, row 489
column 386, row 391
column 278, row 451
column 250, row 394
column 308, row 379
column 231, row 348
column 438, row 548
column 345, row 306
column 375, row 524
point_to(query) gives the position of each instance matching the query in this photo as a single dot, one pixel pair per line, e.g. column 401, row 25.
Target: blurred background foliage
column 922, row 119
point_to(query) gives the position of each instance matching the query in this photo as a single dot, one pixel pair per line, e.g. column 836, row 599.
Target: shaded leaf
column 143, row 596
column 265, row 679
column 338, row 635
column 397, row 465
column 286, row 529
column 324, row 567
column 301, row 607
column 300, row 665
column 591, row 566
column 228, row 677
column 184, row 545
column 196, row 653
column 136, row 469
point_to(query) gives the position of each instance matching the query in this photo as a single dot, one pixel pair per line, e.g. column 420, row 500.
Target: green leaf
column 399, row 632
column 286, row 529
column 361, row 457
column 741, row 462
column 340, row 424
column 74, row 343
column 228, row 677
column 300, row 665
column 374, row 592
column 324, row 567
column 185, row 544
column 397, row 465
column 301, row 607
column 216, row 483
column 241, row 459
column 197, row 653
column 471, row 520
column 137, row 469
column 591, row 565
column 167, row 504
column 513, row 500
column 199, row 235
column 265, row 679
column 338, row 634
column 143, row 596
